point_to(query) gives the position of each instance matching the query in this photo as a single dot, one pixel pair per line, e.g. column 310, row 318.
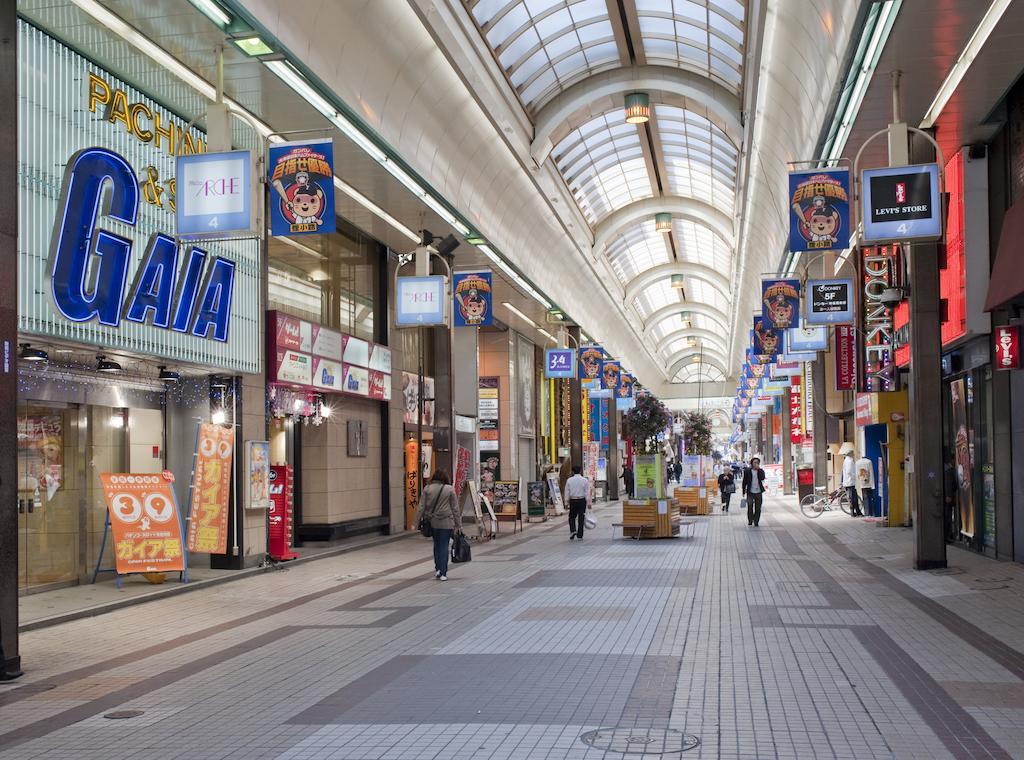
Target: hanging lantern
column 677, row 281
column 638, row 108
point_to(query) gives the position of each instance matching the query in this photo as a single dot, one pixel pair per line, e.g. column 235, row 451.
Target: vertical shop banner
column 796, row 412
column 780, row 303
column 882, row 270
column 301, row 176
column 1007, row 346
column 962, row 456
column 257, row 465
column 144, row 522
column 489, row 427
column 766, row 341
column 819, row 202
column 611, row 375
column 474, row 300
column 411, row 450
column 846, row 358
column 590, row 364
column 462, row 461
column 526, row 388
column 281, row 515
column 988, row 496
column 211, row 490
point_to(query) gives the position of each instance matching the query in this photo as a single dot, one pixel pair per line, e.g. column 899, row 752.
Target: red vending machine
column 282, row 503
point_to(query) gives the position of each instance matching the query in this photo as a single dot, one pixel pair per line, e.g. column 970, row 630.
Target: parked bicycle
column 812, row 505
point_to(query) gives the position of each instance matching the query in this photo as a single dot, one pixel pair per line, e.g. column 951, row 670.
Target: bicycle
column 812, row 505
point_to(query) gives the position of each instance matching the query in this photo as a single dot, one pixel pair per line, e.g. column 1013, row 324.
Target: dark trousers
column 851, row 492
column 442, row 538
column 726, row 498
column 577, row 516
column 868, row 502
column 754, row 507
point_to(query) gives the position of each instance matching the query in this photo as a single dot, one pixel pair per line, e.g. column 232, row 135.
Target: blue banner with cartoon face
column 819, row 210
column 473, row 299
column 766, row 340
column 780, row 303
column 611, row 375
column 302, row 188
column 590, row 363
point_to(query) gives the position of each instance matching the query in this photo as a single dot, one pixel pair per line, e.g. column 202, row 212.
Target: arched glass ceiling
column 698, row 244
column 675, row 323
column 691, row 373
column 699, row 159
column 603, row 164
column 701, row 291
column 545, row 45
column 637, row 249
column 705, row 36
column 655, row 297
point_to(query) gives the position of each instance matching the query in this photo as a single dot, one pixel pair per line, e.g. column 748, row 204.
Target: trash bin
column 804, row 482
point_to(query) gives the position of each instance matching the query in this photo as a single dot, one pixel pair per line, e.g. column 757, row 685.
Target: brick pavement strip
column 799, row 639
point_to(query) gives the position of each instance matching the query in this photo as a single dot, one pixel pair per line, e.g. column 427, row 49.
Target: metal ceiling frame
column 656, row 274
column 689, row 209
column 677, row 361
column 673, row 309
column 695, row 332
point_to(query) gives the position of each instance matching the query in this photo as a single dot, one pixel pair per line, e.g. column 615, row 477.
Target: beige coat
column 444, row 515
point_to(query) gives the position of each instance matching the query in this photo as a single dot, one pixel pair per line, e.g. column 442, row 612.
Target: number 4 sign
column 559, row 362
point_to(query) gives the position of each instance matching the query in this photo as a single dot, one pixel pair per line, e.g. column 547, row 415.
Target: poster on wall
column 962, row 457
column 411, row 399
column 780, row 303
column 211, row 490
column 144, row 522
column 462, row 462
column 647, row 479
column 819, row 202
column 257, row 465
column 490, row 472
column 526, row 401
column 40, row 453
column 691, row 474
column 473, row 299
column 301, row 176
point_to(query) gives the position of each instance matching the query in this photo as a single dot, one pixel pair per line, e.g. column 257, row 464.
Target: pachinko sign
column 302, row 187
column 144, row 522
column 819, row 210
column 211, row 490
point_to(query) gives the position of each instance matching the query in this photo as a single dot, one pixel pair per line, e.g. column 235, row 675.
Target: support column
column 9, row 345
column 926, row 391
column 612, row 468
column 575, row 412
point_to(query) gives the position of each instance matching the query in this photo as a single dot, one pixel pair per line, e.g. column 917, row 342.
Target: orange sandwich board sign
column 211, row 489
column 144, row 522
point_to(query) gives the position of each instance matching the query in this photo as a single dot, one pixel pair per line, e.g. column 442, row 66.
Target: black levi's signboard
column 901, row 203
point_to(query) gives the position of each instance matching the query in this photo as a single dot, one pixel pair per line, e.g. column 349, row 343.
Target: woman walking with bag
column 727, row 487
column 439, row 516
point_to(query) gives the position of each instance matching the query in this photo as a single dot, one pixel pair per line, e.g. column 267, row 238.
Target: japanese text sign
column 829, row 302
column 144, row 522
column 302, row 188
column 560, row 362
column 211, row 489
column 473, row 299
column 819, row 210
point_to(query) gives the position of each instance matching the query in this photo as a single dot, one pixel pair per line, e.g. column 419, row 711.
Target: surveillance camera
column 891, row 297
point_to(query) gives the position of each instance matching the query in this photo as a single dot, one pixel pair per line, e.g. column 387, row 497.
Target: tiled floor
column 798, row 639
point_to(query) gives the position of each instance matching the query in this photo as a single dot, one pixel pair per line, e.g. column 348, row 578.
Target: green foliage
column 645, row 421
column 697, row 433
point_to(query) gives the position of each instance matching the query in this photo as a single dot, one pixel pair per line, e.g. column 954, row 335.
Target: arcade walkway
column 798, row 639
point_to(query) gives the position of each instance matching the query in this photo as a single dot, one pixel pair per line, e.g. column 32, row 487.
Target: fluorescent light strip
column 519, row 314
column 284, row 71
column 212, row 11
column 963, row 62
column 300, row 247
column 489, row 253
column 546, row 334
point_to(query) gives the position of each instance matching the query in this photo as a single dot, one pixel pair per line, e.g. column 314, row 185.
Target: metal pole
column 419, row 413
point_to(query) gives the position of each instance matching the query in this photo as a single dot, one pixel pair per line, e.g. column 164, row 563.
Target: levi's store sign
column 1007, row 347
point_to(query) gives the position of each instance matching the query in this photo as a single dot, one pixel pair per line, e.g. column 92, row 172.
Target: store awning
column 1007, row 281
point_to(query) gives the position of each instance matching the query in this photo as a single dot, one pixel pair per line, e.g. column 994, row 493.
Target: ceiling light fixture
column 677, row 281
column 219, row 417
column 663, row 222
column 963, row 62
column 28, row 354
column 103, row 364
column 514, row 275
column 168, row 375
column 212, row 11
column 638, row 108
column 253, row 46
column 546, row 334
column 519, row 314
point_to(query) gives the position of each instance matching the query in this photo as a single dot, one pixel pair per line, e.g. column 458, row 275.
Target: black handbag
column 460, row 549
column 425, row 528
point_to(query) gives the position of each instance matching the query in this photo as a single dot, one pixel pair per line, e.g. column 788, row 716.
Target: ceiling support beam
column 683, row 208
column 707, row 336
column 702, row 272
column 680, row 360
column 674, row 309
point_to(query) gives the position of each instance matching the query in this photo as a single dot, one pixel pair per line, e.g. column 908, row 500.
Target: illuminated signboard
column 901, row 203
column 216, row 195
column 881, row 269
column 420, row 301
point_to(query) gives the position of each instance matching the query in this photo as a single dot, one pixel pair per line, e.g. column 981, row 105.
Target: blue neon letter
column 154, row 284
column 215, row 308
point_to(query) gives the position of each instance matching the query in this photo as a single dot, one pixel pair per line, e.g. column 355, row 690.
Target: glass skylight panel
column 636, row 250
column 655, row 297
column 545, row 45
column 704, row 36
column 700, row 160
column 699, row 244
column 699, row 291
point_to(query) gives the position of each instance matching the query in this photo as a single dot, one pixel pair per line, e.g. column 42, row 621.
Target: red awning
column 1007, row 281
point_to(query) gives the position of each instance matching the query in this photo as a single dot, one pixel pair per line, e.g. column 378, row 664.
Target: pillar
column 612, row 468
column 926, row 392
column 575, row 412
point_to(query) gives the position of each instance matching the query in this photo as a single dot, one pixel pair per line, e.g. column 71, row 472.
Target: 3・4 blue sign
column 560, row 362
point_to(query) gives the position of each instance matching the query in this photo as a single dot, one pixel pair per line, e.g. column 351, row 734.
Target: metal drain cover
column 640, row 741
column 124, row 714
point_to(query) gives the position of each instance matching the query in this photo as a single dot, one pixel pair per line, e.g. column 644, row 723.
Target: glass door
column 48, row 501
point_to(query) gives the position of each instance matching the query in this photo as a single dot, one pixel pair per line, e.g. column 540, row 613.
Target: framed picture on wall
column 526, row 401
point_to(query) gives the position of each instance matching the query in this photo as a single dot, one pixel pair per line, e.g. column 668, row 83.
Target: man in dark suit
column 753, row 491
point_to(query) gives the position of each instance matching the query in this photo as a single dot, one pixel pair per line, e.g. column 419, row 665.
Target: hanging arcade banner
column 625, row 390
column 819, row 202
column 301, row 177
column 211, row 490
column 144, row 522
column 829, row 302
column 796, row 413
column 766, row 340
column 780, row 303
column 473, row 299
column 845, row 358
column 611, row 375
column 800, row 339
column 590, row 363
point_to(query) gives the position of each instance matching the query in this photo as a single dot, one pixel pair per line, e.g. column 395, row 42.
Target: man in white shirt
column 577, row 490
column 866, row 481
column 850, row 484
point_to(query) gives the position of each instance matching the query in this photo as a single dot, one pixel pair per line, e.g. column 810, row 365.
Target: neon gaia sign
column 88, row 266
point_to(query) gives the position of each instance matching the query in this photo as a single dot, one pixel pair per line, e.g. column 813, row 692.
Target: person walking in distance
column 726, row 487
column 627, row 480
column 438, row 504
column 753, row 491
column 850, row 483
column 577, row 489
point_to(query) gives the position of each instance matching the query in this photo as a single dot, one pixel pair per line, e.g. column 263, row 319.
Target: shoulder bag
column 425, row 528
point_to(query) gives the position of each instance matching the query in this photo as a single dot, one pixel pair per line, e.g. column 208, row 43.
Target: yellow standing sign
column 211, row 490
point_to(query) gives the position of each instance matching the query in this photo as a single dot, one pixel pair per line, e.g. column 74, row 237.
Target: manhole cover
column 640, row 741
column 947, row 571
column 123, row 714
